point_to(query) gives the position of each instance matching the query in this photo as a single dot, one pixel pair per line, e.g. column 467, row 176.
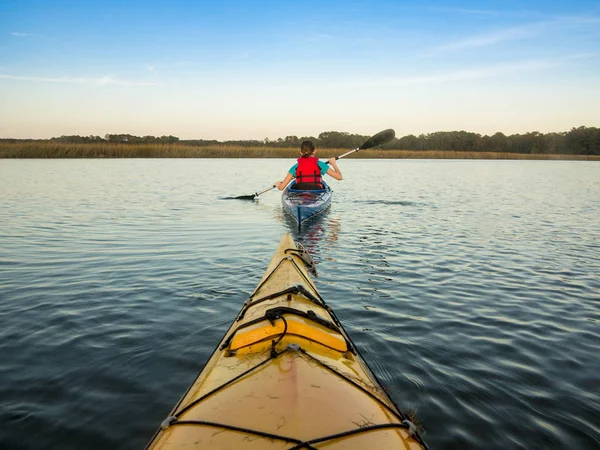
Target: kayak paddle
column 383, row 137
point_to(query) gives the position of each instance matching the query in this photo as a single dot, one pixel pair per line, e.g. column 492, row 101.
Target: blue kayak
column 303, row 204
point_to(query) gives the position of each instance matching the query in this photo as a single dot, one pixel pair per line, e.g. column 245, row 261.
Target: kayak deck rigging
column 404, row 424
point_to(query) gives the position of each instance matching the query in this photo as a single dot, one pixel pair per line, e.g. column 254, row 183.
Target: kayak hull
column 303, row 204
column 286, row 375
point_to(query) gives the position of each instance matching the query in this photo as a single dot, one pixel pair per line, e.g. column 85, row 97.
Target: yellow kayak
column 286, row 376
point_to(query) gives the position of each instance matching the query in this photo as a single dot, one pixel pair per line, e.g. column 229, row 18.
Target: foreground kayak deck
column 303, row 204
column 286, row 376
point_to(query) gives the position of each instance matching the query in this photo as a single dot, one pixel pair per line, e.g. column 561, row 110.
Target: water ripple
column 471, row 288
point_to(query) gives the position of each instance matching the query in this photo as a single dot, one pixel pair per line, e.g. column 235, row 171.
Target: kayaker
column 308, row 171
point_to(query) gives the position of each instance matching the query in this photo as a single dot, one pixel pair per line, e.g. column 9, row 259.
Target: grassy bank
column 109, row 150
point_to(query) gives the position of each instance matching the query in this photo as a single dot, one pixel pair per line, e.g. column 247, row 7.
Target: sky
column 261, row 69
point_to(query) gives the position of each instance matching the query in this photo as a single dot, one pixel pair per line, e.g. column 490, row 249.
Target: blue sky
column 257, row 69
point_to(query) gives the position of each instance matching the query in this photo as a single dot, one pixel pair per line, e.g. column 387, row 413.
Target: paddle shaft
column 346, row 154
column 383, row 137
column 264, row 190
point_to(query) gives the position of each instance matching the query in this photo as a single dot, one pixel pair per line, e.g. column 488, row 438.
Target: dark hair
column 307, row 148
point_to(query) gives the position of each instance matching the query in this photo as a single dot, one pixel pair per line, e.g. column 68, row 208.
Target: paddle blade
column 242, row 197
column 253, row 196
column 383, row 137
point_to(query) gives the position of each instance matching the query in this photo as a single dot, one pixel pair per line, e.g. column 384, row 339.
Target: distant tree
column 410, row 142
column 471, row 141
column 583, row 140
column 531, row 142
column 291, row 141
column 498, row 142
column 76, row 139
column 169, row 139
column 580, row 140
column 336, row 139
column 555, row 143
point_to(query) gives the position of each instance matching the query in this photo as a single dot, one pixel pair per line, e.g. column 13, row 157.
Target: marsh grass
column 36, row 149
column 108, row 150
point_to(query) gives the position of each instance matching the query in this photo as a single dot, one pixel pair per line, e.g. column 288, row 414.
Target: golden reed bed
column 106, row 150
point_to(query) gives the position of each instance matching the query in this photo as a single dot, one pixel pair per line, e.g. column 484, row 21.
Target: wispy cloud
column 318, row 37
column 589, row 55
column 528, row 31
column 471, row 12
column 101, row 81
column 578, row 20
column 493, row 71
column 26, row 35
column 496, row 37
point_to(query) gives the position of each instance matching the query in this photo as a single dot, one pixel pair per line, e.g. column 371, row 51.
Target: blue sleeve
column 323, row 166
column 293, row 169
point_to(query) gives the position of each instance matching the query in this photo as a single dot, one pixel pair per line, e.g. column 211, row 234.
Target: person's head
column 307, row 148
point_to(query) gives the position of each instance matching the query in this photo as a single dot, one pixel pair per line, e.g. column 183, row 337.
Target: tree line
column 578, row 141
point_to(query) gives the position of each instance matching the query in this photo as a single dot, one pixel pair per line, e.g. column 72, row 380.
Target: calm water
column 472, row 287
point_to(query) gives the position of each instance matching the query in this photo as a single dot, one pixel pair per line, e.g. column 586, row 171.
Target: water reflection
column 390, row 202
column 316, row 234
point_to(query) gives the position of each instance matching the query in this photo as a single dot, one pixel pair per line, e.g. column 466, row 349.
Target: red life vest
column 309, row 172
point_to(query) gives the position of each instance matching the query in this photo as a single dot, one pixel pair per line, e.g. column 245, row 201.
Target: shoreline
column 36, row 150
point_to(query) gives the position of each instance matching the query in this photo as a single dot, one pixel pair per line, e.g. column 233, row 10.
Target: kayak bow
column 286, row 376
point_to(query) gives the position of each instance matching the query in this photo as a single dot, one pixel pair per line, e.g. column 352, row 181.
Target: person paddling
column 309, row 171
